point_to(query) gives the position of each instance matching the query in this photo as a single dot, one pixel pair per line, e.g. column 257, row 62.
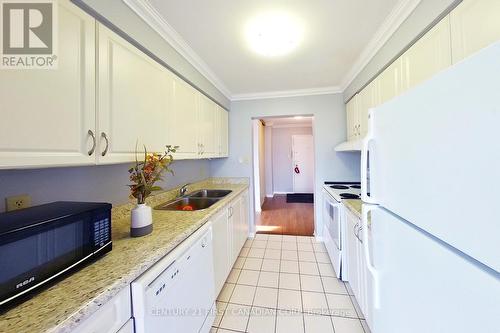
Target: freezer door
column 434, row 156
column 422, row 284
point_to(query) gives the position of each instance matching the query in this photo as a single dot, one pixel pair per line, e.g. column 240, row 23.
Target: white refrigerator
column 431, row 172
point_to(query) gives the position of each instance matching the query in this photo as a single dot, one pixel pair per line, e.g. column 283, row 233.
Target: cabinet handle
column 92, row 135
column 105, row 137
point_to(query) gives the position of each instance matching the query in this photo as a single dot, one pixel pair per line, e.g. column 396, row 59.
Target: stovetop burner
column 340, row 187
column 349, row 196
column 355, row 186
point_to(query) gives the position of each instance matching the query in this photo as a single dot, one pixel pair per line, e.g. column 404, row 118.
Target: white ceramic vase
column 141, row 221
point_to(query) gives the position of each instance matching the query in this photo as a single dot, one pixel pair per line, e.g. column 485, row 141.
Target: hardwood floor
column 280, row 217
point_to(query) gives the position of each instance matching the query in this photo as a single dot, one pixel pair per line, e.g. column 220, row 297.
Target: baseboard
column 251, row 235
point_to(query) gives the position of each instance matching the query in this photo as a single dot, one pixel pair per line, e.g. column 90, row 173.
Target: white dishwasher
column 177, row 293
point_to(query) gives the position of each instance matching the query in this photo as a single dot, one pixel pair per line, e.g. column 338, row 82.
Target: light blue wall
column 105, row 183
column 329, row 130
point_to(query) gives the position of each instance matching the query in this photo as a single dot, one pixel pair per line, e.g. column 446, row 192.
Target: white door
column 46, row 115
column 134, row 96
column 423, row 285
column 303, row 163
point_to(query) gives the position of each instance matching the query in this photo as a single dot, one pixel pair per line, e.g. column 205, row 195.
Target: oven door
column 32, row 256
column 332, row 231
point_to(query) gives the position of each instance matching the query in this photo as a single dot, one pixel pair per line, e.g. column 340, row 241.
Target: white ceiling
column 337, row 33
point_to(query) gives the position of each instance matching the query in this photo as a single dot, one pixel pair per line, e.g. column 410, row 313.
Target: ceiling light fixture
column 274, row 33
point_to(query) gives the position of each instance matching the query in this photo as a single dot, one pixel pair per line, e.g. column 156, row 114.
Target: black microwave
column 40, row 243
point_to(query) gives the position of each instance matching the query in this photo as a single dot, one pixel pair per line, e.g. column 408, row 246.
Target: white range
column 333, row 220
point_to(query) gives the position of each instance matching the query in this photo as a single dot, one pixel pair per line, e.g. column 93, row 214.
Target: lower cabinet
column 230, row 231
column 221, row 236
column 356, row 262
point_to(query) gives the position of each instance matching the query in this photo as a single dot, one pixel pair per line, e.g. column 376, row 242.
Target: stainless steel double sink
column 197, row 200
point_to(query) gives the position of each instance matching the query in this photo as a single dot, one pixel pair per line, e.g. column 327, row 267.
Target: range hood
column 350, row 146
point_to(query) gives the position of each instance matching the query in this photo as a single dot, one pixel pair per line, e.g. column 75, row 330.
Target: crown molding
column 287, row 93
column 154, row 19
column 393, row 21
column 151, row 16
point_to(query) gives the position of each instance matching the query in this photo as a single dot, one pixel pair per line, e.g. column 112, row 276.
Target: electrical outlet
column 18, row 202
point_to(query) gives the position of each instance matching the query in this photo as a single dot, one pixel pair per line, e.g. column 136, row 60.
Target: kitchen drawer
column 110, row 317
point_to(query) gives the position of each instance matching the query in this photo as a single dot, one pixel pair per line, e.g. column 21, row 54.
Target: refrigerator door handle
column 366, row 247
column 364, row 160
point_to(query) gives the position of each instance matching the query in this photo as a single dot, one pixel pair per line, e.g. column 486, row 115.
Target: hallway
column 280, row 217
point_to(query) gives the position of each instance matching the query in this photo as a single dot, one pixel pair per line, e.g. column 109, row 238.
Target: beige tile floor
column 286, row 284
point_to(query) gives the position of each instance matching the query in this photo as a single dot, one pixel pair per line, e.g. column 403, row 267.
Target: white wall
column 282, row 156
column 329, row 130
column 427, row 12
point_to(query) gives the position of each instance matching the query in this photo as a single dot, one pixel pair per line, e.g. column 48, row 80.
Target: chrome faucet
column 183, row 190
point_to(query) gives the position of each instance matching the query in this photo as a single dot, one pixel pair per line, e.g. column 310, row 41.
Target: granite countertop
column 64, row 305
column 354, row 205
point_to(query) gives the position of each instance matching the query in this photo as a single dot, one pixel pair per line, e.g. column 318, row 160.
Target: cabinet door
column 47, row 114
column 207, row 119
column 237, row 232
column 429, row 55
column 244, row 217
column 224, row 130
column 352, row 118
column 134, row 95
column 474, row 25
column 221, row 244
column 390, row 82
column 183, row 124
column 368, row 98
column 352, row 224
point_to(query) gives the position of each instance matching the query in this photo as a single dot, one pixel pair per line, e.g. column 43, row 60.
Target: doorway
column 283, row 177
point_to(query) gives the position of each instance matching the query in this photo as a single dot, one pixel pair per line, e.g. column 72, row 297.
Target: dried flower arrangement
column 144, row 174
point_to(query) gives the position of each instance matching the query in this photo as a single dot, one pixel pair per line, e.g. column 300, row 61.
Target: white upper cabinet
column 221, row 132
column 47, row 113
column 352, row 118
column 183, row 121
column 429, row 55
column 207, row 121
column 134, row 93
column 390, row 81
column 475, row 24
column 368, row 98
